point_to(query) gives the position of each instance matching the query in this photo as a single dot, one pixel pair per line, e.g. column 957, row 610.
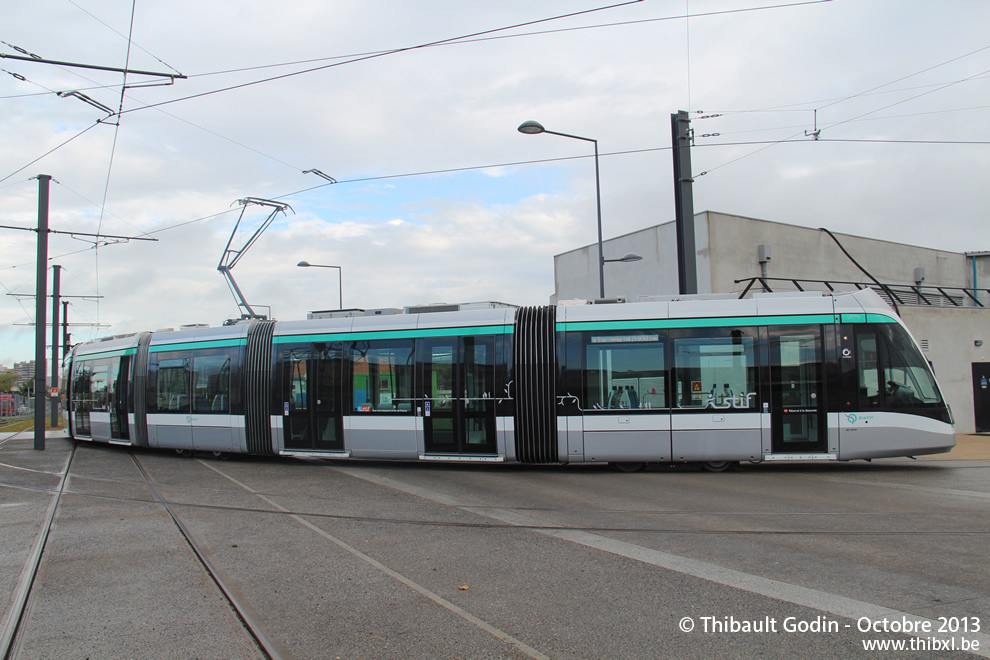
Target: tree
column 27, row 387
column 7, row 380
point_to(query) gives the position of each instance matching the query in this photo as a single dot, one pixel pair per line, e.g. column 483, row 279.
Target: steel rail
column 21, row 602
column 250, row 620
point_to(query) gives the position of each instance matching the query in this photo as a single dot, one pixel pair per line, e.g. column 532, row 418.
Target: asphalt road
column 381, row 560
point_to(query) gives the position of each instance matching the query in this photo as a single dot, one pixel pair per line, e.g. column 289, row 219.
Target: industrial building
column 943, row 297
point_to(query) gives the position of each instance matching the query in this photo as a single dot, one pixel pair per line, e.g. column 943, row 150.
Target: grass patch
column 26, row 425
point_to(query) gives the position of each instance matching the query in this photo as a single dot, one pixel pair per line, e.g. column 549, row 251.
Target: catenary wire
column 455, row 43
column 931, row 91
column 810, row 105
column 513, row 36
column 377, row 55
column 121, row 112
column 825, row 126
column 791, row 107
column 566, row 158
column 112, row 29
column 539, row 162
column 817, row 136
column 53, row 149
column 916, row 73
column 113, row 151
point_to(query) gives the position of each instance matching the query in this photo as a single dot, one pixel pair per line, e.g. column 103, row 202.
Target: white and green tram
column 775, row 377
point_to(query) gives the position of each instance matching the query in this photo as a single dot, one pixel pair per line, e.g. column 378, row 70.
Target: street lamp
column 626, row 258
column 340, row 276
column 533, row 128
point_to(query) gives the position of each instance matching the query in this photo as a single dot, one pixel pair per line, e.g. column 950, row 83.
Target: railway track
column 245, row 613
column 14, row 625
column 21, row 602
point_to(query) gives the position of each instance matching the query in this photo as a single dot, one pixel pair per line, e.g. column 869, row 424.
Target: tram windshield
column 891, row 370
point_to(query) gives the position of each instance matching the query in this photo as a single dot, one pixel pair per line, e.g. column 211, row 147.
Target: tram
column 775, row 377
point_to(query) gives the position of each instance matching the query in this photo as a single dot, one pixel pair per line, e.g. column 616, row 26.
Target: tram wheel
column 627, row 467
column 185, row 453
column 718, row 466
column 222, row 455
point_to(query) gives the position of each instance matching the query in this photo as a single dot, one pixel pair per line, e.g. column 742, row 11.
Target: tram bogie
column 714, row 382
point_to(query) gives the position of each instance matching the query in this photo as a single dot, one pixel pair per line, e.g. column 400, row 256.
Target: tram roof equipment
column 231, row 257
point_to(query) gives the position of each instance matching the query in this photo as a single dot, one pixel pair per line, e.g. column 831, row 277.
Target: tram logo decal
column 852, row 418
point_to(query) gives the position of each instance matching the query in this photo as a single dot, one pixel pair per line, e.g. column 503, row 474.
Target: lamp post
column 340, row 276
column 535, row 127
column 626, row 258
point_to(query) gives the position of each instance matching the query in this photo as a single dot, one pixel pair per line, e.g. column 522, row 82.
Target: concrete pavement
column 391, row 560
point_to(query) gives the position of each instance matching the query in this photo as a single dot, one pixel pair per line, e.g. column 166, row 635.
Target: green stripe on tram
column 213, row 343
column 717, row 322
column 867, row 318
column 724, row 322
column 417, row 333
column 107, row 354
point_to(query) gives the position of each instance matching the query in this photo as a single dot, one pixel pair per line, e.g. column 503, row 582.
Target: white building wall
column 576, row 272
column 951, row 336
column 803, row 253
column 979, row 275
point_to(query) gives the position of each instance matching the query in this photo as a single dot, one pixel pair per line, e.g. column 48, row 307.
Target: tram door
column 797, row 395
column 312, row 419
column 117, row 397
column 458, row 381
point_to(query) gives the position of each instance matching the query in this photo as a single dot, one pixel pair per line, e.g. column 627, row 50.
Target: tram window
column 383, row 376
column 211, row 383
column 441, row 375
column 81, row 396
column 479, row 372
column 867, row 362
column 716, row 370
column 624, row 370
column 173, row 385
column 81, row 386
column 99, row 384
column 298, row 375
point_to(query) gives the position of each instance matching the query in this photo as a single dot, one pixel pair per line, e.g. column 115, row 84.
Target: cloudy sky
column 438, row 197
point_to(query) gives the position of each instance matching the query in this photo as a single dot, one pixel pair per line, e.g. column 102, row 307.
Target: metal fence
column 893, row 294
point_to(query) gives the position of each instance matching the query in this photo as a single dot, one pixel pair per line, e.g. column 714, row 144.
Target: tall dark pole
column 65, row 328
column 56, row 271
column 41, row 297
column 598, row 201
column 687, row 267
